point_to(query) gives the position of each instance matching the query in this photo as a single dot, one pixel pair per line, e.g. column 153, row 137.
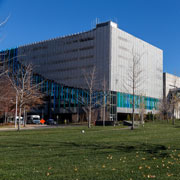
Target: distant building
column 171, row 86
column 63, row 61
column 170, row 82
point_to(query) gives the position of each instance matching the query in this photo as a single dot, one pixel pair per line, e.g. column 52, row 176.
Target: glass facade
column 113, row 106
column 125, row 101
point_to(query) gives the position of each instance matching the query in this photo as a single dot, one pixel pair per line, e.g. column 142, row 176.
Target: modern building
column 171, row 86
column 63, row 61
column 170, row 82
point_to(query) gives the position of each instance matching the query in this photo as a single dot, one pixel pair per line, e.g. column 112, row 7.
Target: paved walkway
column 32, row 127
column 28, row 127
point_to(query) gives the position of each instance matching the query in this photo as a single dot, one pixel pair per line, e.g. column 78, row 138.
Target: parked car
column 51, row 122
column 33, row 119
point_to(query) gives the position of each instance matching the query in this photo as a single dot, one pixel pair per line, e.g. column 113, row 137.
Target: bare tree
column 4, row 21
column 95, row 98
column 7, row 94
column 134, row 79
column 174, row 102
column 27, row 92
column 90, row 81
column 104, row 102
column 3, row 71
column 89, row 102
column 164, row 109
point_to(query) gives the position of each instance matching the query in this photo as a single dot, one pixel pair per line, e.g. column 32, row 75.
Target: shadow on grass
column 153, row 149
column 66, row 148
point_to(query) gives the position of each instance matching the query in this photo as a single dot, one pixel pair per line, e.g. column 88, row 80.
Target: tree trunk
column 16, row 112
column 5, row 117
column 142, row 118
column 24, row 120
column 132, row 127
column 166, row 117
column 19, row 122
column 104, row 119
column 104, row 110
column 133, row 88
column 173, row 119
column 77, row 114
column 89, row 118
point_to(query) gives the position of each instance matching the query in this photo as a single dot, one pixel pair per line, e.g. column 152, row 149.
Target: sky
column 154, row 21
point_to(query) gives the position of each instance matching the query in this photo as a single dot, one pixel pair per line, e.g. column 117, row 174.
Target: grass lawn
column 152, row 152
